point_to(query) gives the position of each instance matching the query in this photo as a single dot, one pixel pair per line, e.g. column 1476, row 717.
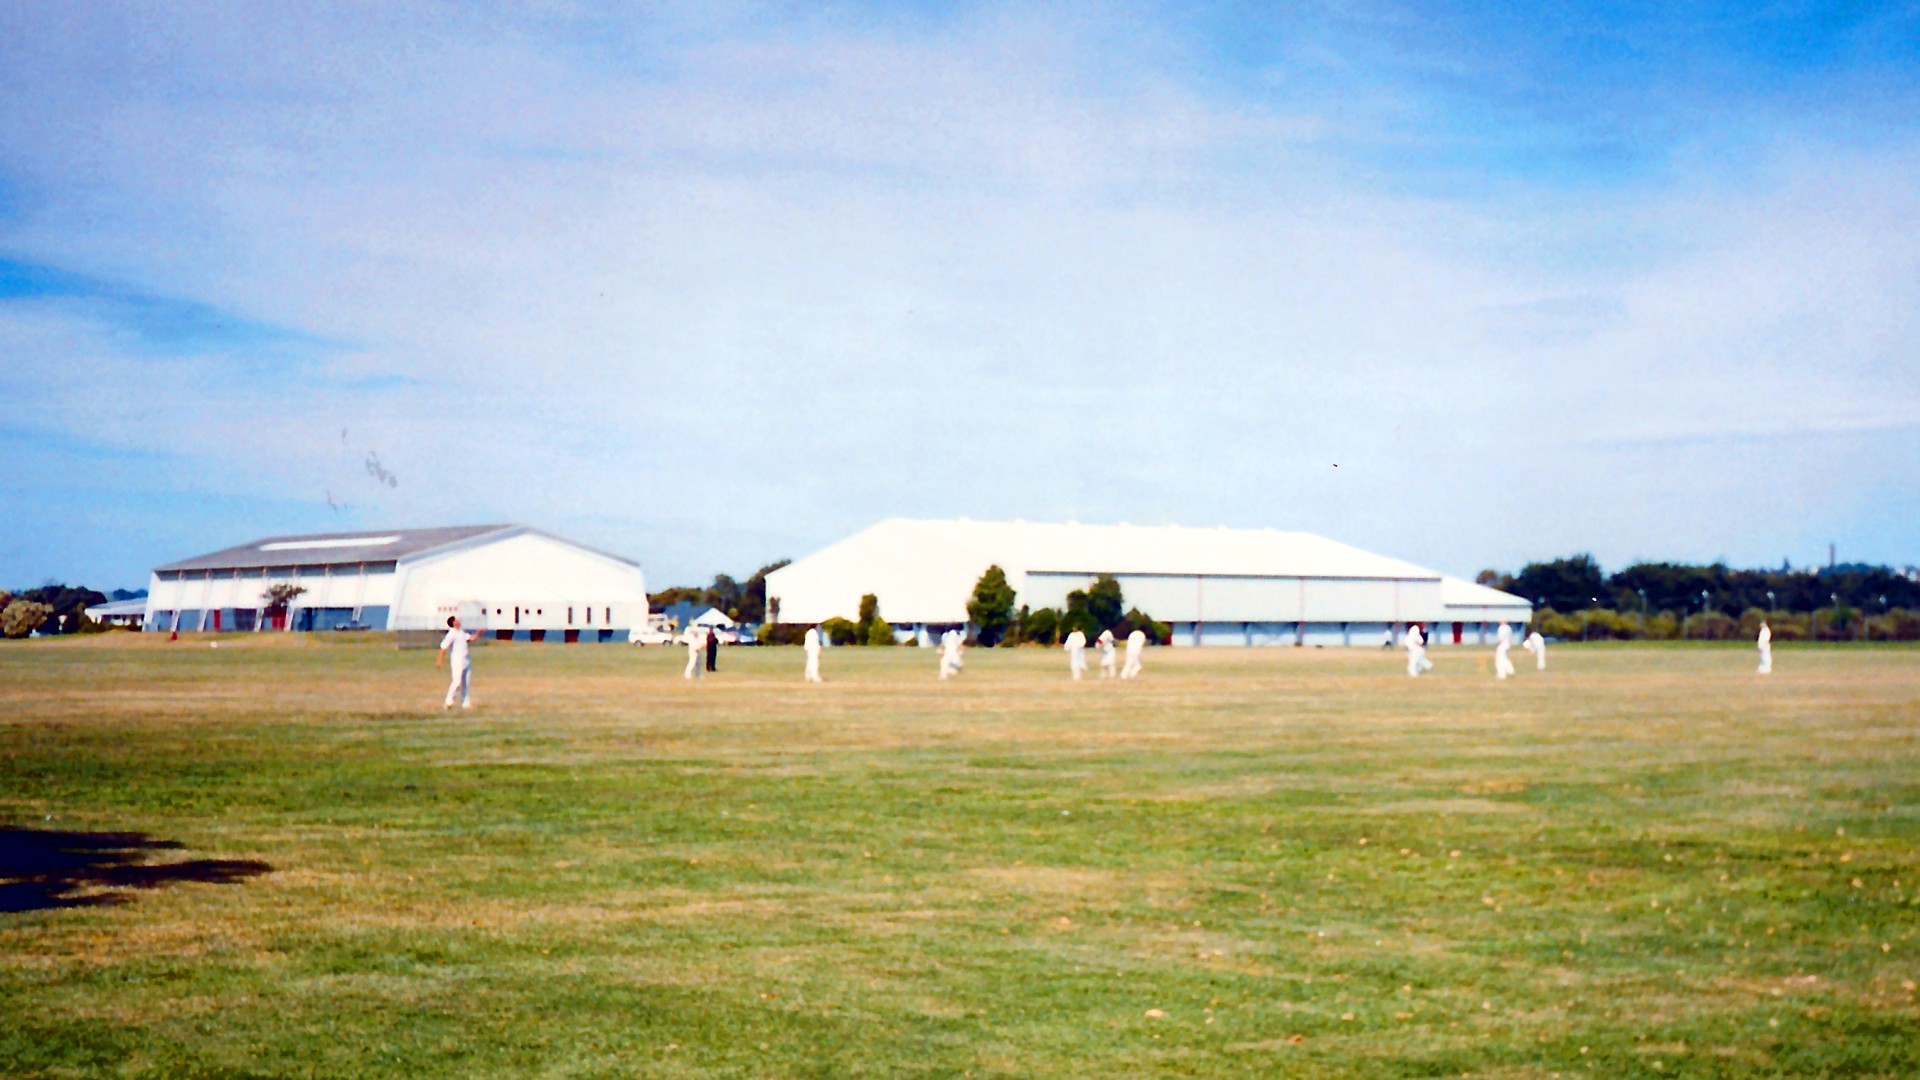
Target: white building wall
column 553, row 583
column 917, row 578
column 199, row 593
column 541, row 576
column 924, row 572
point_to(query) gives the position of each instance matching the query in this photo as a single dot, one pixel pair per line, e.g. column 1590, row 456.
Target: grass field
column 1644, row 862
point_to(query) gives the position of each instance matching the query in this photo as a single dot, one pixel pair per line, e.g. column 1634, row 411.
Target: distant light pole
column 1884, row 635
column 1835, row 597
column 1703, row 612
column 1643, row 611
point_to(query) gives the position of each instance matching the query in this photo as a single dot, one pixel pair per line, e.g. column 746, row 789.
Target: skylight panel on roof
column 337, row 542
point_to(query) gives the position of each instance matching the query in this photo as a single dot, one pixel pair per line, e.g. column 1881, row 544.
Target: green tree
column 753, row 594
column 724, row 595
column 839, row 631
column 869, row 614
column 666, row 598
column 23, row 617
column 1157, row 632
column 1041, row 626
column 1104, row 603
column 879, row 632
column 1568, row 584
column 1077, row 617
column 279, row 597
column 990, row 610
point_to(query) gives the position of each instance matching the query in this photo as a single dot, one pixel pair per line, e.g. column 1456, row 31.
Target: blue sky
column 713, row 284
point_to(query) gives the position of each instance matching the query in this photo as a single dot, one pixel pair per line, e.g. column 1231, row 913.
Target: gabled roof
column 336, row 549
column 1030, row 547
column 113, row 608
column 1455, row 592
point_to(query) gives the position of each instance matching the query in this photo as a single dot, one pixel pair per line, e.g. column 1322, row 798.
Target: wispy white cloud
column 714, row 285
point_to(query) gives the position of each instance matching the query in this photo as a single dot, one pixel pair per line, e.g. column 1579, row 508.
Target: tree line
column 741, row 601
column 1100, row 606
column 51, row 608
column 1574, row 598
column 993, row 618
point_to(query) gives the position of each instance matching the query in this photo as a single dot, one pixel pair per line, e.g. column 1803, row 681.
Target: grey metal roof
column 334, row 549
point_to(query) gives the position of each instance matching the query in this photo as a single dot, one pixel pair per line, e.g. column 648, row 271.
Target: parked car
column 649, row 635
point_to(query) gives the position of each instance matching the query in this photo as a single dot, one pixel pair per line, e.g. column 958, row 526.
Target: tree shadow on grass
column 42, row 869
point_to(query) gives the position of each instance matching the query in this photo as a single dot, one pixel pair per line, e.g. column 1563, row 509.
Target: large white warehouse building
column 513, row 581
column 1214, row 586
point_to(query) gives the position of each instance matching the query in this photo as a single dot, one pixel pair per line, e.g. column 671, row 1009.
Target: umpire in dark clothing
column 713, row 646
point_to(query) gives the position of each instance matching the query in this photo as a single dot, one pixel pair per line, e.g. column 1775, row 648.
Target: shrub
column 1041, row 627
column 781, row 633
column 1158, row 633
column 1079, row 619
column 1715, row 626
column 1901, row 625
column 1789, row 629
column 839, row 631
column 879, row 632
column 23, row 617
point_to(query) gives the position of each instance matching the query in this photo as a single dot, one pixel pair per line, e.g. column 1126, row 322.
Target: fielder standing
column 1076, row 646
column 456, row 643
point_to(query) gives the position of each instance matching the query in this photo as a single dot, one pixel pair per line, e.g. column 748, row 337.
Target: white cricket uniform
column 1766, row 649
column 1076, row 646
column 811, row 642
column 1108, row 661
column 696, row 644
column 950, row 645
column 1502, row 646
column 1136, row 642
column 460, row 664
column 1536, row 645
column 1417, row 661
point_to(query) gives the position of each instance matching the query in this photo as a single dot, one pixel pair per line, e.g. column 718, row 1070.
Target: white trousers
column 1133, row 666
column 1077, row 662
column 1417, row 661
column 693, row 664
column 813, row 666
column 460, row 686
column 1766, row 659
column 1108, row 662
column 1502, row 663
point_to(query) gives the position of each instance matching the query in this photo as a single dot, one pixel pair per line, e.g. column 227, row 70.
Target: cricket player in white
column 1766, row 648
column 1108, row 661
column 696, row 643
column 1076, row 646
column 1536, row 645
column 951, row 643
column 1136, row 642
column 1502, row 645
column 462, row 666
column 811, row 642
column 1417, row 661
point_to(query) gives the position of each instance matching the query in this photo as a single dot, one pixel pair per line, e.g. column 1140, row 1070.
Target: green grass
column 1645, row 862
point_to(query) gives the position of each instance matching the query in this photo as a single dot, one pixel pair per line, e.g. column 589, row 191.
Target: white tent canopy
column 713, row 617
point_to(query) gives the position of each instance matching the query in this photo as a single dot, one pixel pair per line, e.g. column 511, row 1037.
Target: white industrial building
column 513, row 581
column 1214, row 586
